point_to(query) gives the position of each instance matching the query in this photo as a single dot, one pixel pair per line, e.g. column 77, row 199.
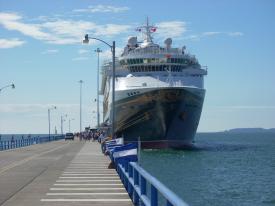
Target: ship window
column 162, row 60
column 145, row 61
column 173, row 60
column 168, row 60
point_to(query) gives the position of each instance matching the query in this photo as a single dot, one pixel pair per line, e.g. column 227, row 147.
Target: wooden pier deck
column 59, row 173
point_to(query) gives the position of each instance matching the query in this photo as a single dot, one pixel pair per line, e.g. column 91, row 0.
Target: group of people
column 91, row 135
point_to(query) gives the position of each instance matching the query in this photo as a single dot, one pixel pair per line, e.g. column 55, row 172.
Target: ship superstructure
column 159, row 92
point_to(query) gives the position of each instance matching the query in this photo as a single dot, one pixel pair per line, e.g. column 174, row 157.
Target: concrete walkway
column 59, row 173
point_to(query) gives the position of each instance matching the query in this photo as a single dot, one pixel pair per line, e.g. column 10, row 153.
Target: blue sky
column 41, row 53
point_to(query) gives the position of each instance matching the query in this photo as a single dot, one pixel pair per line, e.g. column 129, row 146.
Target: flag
column 109, row 145
column 153, row 29
column 126, row 153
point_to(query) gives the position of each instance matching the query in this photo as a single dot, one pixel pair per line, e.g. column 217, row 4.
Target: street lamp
column 80, row 107
column 49, row 119
column 62, row 120
column 113, row 50
column 70, row 124
column 9, row 85
column 98, row 116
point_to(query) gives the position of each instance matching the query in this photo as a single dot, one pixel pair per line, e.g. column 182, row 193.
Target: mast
column 147, row 31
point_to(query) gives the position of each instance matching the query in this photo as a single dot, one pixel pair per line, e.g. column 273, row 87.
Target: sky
column 42, row 54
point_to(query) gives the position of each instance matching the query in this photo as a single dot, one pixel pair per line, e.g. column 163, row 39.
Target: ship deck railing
column 136, row 181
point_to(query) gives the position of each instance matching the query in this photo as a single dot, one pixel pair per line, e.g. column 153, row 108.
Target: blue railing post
column 136, row 183
column 126, row 179
column 142, row 187
column 130, row 188
column 168, row 203
column 154, row 196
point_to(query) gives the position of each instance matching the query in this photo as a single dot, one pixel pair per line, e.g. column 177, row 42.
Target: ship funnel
column 168, row 43
column 132, row 41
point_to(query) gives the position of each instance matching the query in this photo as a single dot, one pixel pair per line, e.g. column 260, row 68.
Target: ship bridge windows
column 157, row 68
column 182, row 61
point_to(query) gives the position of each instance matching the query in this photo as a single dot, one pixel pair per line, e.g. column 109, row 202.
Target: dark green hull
column 161, row 118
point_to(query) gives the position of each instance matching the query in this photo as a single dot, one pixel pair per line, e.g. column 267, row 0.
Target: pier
column 59, row 173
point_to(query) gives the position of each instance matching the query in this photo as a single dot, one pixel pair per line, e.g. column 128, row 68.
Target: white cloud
column 107, row 54
column 211, row 33
column 59, row 31
column 171, row 28
column 50, row 51
column 10, row 43
column 103, row 9
column 197, row 37
column 237, row 33
column 83, row 51
column 80, row 58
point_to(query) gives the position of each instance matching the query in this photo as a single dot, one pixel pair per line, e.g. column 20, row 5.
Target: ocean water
column 8, row 137
column 226, row 169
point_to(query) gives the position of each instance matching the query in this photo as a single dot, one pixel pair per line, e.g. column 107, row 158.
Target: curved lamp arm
column 87, row 38
column 10, row 85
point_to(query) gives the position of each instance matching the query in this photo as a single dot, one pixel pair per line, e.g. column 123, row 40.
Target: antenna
column 147, row 31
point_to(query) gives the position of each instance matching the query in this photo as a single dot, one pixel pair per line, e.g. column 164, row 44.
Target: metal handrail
column 135, row 179
column 17, row 143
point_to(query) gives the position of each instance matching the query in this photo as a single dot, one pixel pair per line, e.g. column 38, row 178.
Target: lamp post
column 9, row 85
column 113, row 50
column 70, row 124
column 80, row 107
column 98, row 116
column 49, row 119
column 62, row 120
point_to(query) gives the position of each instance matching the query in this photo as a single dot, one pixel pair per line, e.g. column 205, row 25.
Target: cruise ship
column 159, row 92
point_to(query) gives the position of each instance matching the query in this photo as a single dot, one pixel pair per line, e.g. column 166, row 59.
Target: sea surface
column 226, row 169
column 8, row 137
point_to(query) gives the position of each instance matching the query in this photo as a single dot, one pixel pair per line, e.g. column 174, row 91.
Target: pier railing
column 136, row 181
column 12, row 144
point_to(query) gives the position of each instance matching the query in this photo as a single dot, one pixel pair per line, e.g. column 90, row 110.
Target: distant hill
column 250, row 130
